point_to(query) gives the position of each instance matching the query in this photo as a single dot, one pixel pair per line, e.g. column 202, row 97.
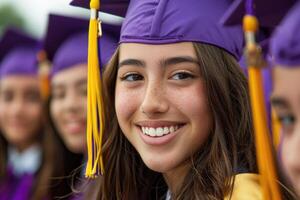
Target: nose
column 72, row 103
column 17, row 107
column 155, row 100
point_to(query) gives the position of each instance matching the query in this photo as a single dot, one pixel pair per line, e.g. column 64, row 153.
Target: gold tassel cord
column 43, row 72
column 266, row 164
column 95, row 115
column 276, row 127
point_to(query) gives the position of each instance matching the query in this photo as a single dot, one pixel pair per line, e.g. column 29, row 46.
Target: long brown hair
column 228, row 150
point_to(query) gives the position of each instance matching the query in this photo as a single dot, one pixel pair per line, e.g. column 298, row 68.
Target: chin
column 158, row 165
column 76, row 148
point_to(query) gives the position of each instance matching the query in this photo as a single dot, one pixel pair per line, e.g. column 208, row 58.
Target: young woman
column 177, row 109
column 27, row 148
column 68, row 53
column 285, row 50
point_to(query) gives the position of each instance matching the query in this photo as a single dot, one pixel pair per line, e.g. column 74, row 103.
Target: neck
column 23, row 147
column 175, row 177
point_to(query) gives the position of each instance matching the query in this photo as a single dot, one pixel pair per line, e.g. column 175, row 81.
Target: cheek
column 34, row 112
column 55, row 111
column 192, row 101
column 287, row 149
column 127, row 102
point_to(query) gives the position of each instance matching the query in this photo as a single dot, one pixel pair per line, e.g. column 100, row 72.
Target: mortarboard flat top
column 163, row 21
column 18, row 53
column 285, row 43
column 116, row 7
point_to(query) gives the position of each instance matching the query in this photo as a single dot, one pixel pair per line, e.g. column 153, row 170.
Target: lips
column 75, row 126
column 159, row 133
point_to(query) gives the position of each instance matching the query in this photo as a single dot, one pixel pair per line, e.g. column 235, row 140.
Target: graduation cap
column 250, row 13
column 116, row 7
column 18, row 54
column 285, row 42
column 161, row 22
column 66, row 42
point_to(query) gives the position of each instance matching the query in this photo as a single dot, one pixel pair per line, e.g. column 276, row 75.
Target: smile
column 159, row 131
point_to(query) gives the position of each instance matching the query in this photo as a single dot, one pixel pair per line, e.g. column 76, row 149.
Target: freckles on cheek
column 125, row 103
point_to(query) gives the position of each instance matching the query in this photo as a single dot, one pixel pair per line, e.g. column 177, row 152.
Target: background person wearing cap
column 66, row 44
column 177, row 109
column 28, row 158
column 285, row 51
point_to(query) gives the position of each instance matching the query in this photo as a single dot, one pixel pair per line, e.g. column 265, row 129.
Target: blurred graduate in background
column 66, row 46
column 285, row 53
column 30, row 155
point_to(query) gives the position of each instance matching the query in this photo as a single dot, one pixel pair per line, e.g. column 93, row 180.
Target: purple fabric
column 285, row 43
column 18, row 54
column 71, row 52
column 66, row 42
column 116, row 7
column 21, row 61
column 16, row 188
column 268, row 12
column 165, row 21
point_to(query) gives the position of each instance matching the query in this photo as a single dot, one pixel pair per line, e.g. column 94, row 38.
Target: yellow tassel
column 43, row 72
column 95, row 112
column 266, row 164
column 275, row 129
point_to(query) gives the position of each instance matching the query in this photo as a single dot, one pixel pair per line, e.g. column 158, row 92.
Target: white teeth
column 160, row 131
column 166, row 130
column 152, row 132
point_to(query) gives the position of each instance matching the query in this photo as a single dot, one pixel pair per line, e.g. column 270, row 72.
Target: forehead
column 156, row 51
column 286, row 81
column 19, row 81
column 71, row 75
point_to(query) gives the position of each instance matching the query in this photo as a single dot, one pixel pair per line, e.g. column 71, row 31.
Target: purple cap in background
column 18, row 54
column 66, row 42
column 285, row 43
column 116, row 7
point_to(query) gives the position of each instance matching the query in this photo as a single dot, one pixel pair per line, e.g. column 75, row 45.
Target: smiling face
column 68, row 106
column 161, row 103
column 20, row 110
column 286, row 102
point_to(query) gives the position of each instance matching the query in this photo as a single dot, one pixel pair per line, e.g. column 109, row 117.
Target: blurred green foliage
column 9, row 17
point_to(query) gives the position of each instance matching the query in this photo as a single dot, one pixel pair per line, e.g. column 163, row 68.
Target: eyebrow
column 279, row 102
column 165, row 62
column 178, row 60
column 131, row 61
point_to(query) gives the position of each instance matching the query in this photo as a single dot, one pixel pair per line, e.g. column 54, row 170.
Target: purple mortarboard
column 285, row 43
column 162, row 22
column 116, row 7
column 66, row 42
column 268, row 12
column 18, row 54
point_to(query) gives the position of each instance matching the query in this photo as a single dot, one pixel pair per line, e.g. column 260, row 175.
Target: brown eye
column 58, row 94
column 6, row 96
column 287, row 122
column 132, row 77
column 182, row 76
column 33, row 96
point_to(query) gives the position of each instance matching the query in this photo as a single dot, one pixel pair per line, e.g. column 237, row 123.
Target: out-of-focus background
column 31, row 15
